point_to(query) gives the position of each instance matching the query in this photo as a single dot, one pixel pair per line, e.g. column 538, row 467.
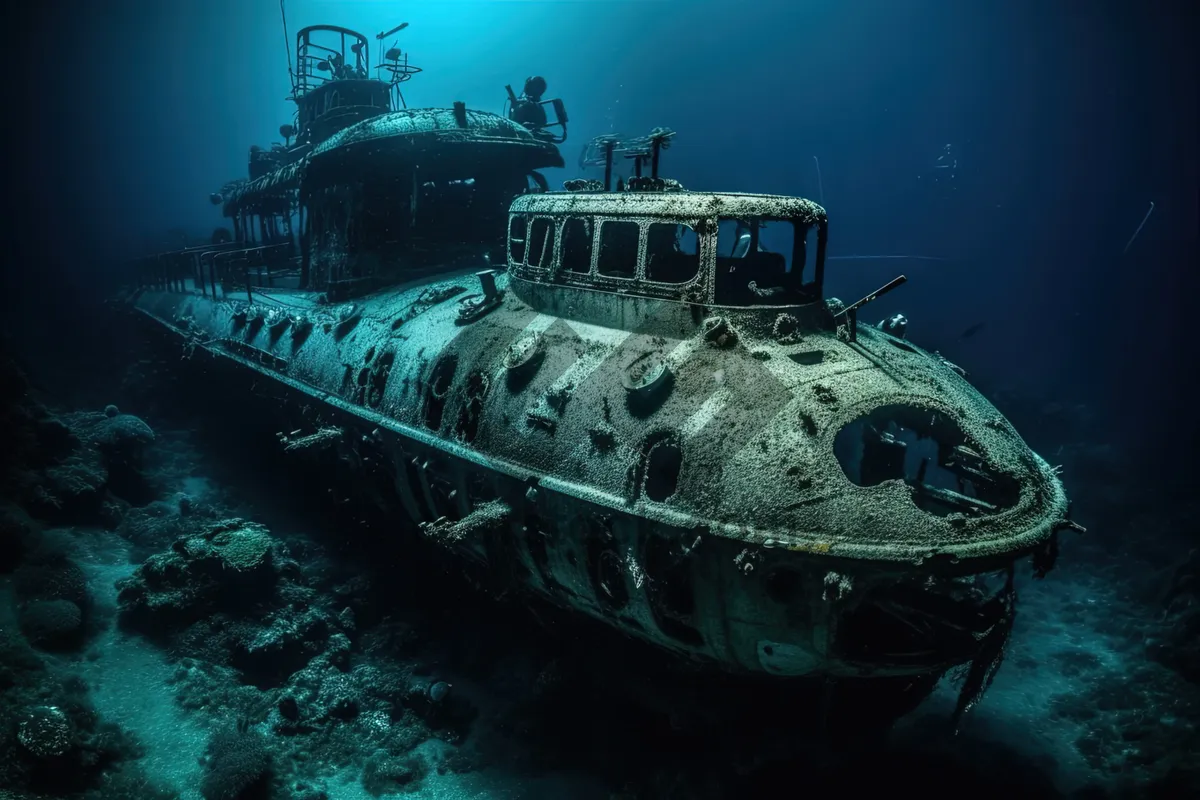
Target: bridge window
column 755, row 259
column 577, row 245
column 516, row 239
column 672, row 253
column 618, row 249
column 541, row 243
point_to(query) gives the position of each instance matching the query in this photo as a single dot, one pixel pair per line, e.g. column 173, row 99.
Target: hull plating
column 683, row 487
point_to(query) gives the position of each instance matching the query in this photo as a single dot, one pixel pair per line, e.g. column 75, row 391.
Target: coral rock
column 52, row 624
column 45, row 732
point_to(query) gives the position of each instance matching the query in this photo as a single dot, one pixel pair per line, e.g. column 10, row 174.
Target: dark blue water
column 1031, row 169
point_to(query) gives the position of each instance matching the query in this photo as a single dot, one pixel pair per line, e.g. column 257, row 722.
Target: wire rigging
column 1139, row 228
column 287, row 46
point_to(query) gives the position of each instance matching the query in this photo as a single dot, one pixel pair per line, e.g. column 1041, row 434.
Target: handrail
column 259, row 256
column 169, row 270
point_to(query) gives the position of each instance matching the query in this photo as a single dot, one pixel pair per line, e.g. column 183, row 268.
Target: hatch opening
column 662, row 470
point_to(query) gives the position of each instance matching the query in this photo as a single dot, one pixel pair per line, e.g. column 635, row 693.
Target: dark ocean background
column 1066, row 121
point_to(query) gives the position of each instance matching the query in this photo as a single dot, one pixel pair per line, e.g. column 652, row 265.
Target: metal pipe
column 609, row 147
column 305, row 262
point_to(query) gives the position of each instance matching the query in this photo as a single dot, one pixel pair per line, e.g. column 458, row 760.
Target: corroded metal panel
column 730, row 483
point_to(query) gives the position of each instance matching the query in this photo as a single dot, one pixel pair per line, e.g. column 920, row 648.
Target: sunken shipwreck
column 633, row 403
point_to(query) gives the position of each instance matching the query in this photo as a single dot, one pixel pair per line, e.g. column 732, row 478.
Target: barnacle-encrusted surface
column 407, row 131
column 754, row 423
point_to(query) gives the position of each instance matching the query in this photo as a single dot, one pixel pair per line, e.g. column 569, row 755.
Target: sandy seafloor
column 1077, row 708
column 1064, row 646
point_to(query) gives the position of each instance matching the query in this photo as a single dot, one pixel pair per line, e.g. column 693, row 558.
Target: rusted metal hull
column 433, row 406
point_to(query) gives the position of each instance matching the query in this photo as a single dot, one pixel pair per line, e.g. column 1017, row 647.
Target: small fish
column 971, row 331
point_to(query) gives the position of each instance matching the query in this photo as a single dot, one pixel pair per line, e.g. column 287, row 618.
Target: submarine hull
column 407, row 382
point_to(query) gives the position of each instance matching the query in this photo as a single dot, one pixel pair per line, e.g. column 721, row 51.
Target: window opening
column 516, row 239
column 760, row 261
column 541, row 243
column 577, row 245
column 619, row 249
column 672, row 253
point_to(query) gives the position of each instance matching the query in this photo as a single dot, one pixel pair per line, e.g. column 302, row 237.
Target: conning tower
column 332, row 85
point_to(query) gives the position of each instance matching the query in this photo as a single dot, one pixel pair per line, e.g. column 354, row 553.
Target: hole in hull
column 604, row 567
column 929, row 452
column 909, row 624
column 662, row 471
column 440, row 381
column 472, row 409
column 785, row 586
column 808, row 358
column 377, row 381
column 657, row 472
column 671, row 590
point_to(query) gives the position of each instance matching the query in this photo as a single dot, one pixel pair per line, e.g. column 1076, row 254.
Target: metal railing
column 204, row 268
column 252, row 266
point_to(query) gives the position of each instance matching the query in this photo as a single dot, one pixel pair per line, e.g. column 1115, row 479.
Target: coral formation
column 236, row 759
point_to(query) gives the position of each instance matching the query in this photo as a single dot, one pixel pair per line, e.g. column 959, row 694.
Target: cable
column 1139, row 228
column 287, row 46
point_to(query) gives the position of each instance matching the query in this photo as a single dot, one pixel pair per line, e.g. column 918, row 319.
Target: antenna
column 395, row 61
column 379, row 37
column 287, row 45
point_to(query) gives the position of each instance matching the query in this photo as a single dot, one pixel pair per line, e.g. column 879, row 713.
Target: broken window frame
column 639, row 258
column 536, row 270
column 698, row 255
column 544, row 267
column 798, row 259
column 569, row 275
column 511, row 240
